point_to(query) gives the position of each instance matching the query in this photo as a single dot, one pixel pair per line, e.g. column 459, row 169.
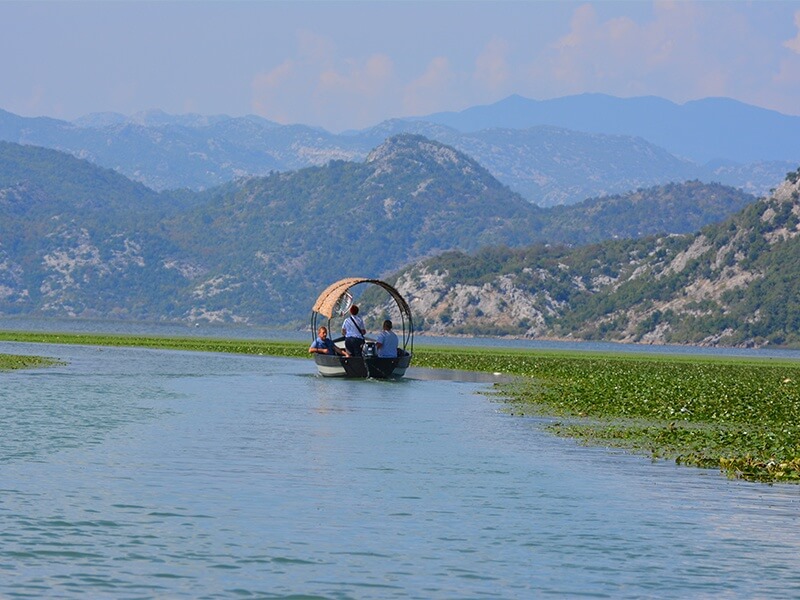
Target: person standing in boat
column 324, row 345
column 354, row 330
column 386, row 342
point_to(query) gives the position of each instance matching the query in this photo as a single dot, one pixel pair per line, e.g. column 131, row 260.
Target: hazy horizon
column 350, row 65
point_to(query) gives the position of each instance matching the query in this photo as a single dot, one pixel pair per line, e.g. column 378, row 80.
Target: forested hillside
column 277, row 241
column 76, row 239
column 83, row 241
column 671, row 208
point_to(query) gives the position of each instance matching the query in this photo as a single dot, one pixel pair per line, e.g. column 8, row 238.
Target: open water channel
column 136, row 473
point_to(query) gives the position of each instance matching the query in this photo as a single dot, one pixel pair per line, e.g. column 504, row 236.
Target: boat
column 333, row 305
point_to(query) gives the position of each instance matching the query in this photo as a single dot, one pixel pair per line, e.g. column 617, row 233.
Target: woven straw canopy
column 327, row 300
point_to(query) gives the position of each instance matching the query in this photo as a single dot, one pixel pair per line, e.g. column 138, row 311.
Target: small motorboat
column 333, row 304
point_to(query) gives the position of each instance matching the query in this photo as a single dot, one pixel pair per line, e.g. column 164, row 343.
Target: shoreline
column 738, row 414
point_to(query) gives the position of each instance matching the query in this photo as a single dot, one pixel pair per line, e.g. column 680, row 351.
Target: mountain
column 559, row 166
column 256, row 250
column 701, row 130
column 548, row 164
column 733, row 283
column 73, row 183
column 79, row 240
column 167, row 152
column 76, row 239
column 277, row 241
column 671, row 208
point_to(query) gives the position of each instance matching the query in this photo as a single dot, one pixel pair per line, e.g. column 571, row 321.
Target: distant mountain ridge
column 701, row 130
column 587, row 146
column 79, row 240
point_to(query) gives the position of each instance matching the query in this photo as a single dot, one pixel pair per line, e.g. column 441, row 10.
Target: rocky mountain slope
column 79, row 240
column 734, row 283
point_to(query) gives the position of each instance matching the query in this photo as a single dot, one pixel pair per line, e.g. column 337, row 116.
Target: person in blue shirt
column 324, row 345
column 353, row 330
column 386, row 342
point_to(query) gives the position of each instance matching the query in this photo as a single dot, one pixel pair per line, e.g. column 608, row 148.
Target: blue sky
column 345, row 65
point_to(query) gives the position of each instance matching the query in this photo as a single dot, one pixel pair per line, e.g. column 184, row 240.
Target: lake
column 136, row 473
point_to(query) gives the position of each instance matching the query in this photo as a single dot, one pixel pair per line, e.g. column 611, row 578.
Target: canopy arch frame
column 332, row 295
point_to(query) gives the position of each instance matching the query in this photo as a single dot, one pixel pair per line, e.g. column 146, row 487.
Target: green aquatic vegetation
column 10, row 362
column 743, row 452
column 739, row 415
column 194, row 344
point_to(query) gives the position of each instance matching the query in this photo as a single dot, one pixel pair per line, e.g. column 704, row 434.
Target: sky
column 350, row 65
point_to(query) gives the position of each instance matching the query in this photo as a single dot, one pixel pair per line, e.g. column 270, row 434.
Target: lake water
column 136, row 473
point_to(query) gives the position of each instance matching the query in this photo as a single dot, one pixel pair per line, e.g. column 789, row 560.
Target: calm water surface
column 134, row 473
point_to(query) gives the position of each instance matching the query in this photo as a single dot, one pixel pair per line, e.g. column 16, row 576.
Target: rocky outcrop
column 730, row 283
column 497, row 307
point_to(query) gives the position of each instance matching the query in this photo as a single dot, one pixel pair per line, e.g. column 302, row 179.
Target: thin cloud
column 315, row 49
column 680, row 50
column 432, row 89
column 368, row 79
column 267, row 98
column 492, row 71
column 620, row 53
column 794, row 43
column 316, row 81
column 363, row 89
column 346, row 65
